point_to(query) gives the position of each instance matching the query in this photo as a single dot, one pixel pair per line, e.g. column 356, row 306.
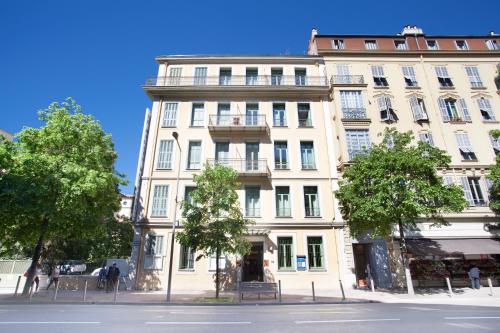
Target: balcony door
column 223, row 114
column 252, row 156
column 222, row 153
column 252, row 114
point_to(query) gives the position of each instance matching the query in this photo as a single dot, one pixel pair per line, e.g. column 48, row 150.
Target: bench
column 258, row 288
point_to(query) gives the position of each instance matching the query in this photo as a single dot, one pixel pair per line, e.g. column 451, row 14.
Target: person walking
column 36, row 279
column 474, row 276
column 54, row 276
column 101, row 282
column 112, row 276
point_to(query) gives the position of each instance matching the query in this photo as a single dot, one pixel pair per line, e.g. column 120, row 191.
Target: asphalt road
column 406, row 318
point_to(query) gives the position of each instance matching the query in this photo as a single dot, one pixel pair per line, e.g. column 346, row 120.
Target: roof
column 229, row 58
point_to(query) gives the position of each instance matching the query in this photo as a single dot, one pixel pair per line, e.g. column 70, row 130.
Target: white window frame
column 350, row 135
column 190, row 253
column 436, row 47
column 400, row 42
column 324, row 247
column 223, row 259
column 338, row 44
column 410, row 76
column 256, row 209
column 308, row 166
column 384, row 103
column 485, row 108
column 492, row 44
column 170, row 112
column 281, row 166
column 318, row 200
column 442, row 72
column 174, row 76
column 371, row 44
column 276, row 201
column 495, row 143
column 193, row 120
column 225, row 80
column 165, row 157
column 159, row 201
column 378, row 72
column 200, row 75
column 189, row 162
column 474, row 77
column 284, row 111
column 464, row 146
column 466, row 46
column 309, row 120
column 418, row 109
column 154, row 260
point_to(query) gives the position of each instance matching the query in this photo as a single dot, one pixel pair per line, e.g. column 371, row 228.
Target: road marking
column 215, row 312
column 467, row 318
column 313, row 312
column 420, row 309
column 49, row 322
column 469, row 325
column 299, row 322
column 198, row 322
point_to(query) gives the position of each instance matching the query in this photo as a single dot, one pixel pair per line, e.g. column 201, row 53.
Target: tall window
column 153, row 252
column 213, row 262
column 225, row 76
column 485, row 109
column 300, row 76
column 343, row 74
column 276, row 76
column 281, row 155
column 283, row 207
column 285, row 253
column 174, row 77
column 371, row 45
column 426, row 137
column 170, row 115
column 160, row 196
column 410, row 77
column 194, row 155
column 385, row 108
column 252, row 201
column 186, row 260
column 461, row 45
column 304, row 113
column 492, row 44
column 338, row 44
column 223, row 113
column 200, row 76
column 358, row 142
column 418, row 109
column 495, row 142
column 307, row 155
column 165, row 154
column 400, row 45
column 311, row 201
column 465, row 147
column 432, row 45
column 378, row 76
column 453, row 110
column 279, row 115
column 252, row 114
column 252, row 75
column 474, row 78
column 472, row 191
column 443, row 77
column 187, row 196
column 315, row 252
column 352, row 104
column 197, row 114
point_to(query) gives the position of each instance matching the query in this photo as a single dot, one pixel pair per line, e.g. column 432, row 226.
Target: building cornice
column 240, row 59
column 410, row 53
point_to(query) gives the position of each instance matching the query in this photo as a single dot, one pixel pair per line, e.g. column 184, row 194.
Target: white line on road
column 49, row 322
column 419, row 308
column 198, row 322
column 343, row 321
column 313, row 312
column 467, row 318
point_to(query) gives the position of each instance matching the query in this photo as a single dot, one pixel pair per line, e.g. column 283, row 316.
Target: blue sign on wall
column 301, row 263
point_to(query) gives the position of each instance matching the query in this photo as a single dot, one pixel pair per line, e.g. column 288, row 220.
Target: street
column 373, row 317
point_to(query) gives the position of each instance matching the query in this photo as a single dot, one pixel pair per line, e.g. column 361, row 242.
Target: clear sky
column 100, row 52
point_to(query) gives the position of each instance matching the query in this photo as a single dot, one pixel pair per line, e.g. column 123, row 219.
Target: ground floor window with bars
column 285, row 253
column 315, row 252
column 153, row 252
column 186, row 261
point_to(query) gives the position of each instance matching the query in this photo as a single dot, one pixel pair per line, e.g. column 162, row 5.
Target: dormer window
column 400, row 44
column 338, row 44
column 492, row 44
column 461, row 45
column 371, row 44
column 432, row 45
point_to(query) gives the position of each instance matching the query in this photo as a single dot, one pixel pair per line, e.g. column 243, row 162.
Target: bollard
column 314, row 294
column 372, row 285
column 491, row 286
column 116, row 290
column 279, row 289
column 56, row 289
column 449, row 286
column 342, row 289
column 85, row 290
column 17, row 285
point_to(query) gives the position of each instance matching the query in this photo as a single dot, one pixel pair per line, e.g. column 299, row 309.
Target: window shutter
column 415, row 108
column 467, row 191
column 442, row 107
column 464, row 109
column 383, row 108
column 426, row 137
column 485, row 105
column 448, row 180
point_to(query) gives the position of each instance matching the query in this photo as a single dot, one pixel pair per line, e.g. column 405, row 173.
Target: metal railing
column 347, row 79
column 242, row 165
column 354, row 113
column 238, row 80
column 238, row 120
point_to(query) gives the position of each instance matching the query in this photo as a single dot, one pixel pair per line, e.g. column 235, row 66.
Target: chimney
column 411, row 30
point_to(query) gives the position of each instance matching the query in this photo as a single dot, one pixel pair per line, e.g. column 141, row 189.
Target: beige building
column 267, row 117
column 443, row 89
column 6, row 135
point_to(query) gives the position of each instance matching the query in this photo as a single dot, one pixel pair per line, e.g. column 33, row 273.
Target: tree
column 495, row 179
column 57, row 180
column 214, row 223
column 393, row 185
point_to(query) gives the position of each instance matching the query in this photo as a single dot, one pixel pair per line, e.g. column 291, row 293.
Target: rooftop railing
column 238, row 80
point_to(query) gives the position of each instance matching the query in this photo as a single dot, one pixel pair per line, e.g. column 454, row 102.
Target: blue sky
column 100, row 52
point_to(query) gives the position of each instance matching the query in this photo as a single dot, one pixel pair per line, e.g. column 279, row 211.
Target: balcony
column 238, row 123
column 348, row 80
column 355, row 117
column 245, row 168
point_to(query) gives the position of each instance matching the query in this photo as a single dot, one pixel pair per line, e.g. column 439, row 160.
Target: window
column 170, row 115
column 358, row 142
column 418, row 109
column 307, row 155
column 186, row 261
column 285, row 253
column 371, row 45
column 252, row 201
column 352, row 104
column 200, row 76
column 251, row 115
column 197, row 114
column 165, row 154
column 492, row 44
column 187, row 196
column 379, row 77
column 174, row 77
column 153, row 252
column 472, row 191
column 223, row 114
column 409, row 76
column 443, row 77
column 311, row 201
column 283, row 207
column 279, row 115
column 495, row 142
column 465, row 147
column 343, row 75
column 276, row 76
column 485, row 109
column 300, row 76
column 160, row 196
column 304, row 115
column 400, row 44
column 426, row 137
column 213, row 262
column 461, row 45
column 281, row 155
column 315, row 252
column 385, row 108
column 454, row 110
column 252, row 75
column 222, row 152
column 225, row 76
column 432, row 45
column 194, row 155
column 338, row 44
column 474, row 78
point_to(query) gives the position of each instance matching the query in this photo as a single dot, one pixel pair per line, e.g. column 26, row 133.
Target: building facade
column 6, row 135
column 443, row 89
column 268, row 118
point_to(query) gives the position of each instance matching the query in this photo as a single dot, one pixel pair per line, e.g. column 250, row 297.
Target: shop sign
column 301, row 263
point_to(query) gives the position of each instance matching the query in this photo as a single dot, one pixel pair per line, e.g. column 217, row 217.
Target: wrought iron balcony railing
column 238, row 80
column 354, row 113
column 347, row 79
column 243, row 166
column 238, row 121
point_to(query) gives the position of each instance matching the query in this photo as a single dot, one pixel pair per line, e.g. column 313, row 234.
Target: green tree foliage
column 214, row 223
column 495, row 178
column 394, row 184
column 57, row 180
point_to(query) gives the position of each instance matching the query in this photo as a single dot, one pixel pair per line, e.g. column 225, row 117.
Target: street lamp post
column 174, row 222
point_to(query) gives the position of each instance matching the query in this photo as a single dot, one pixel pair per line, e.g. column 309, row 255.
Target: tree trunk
column 217, row 253
column 404, row 261
column 36, row 256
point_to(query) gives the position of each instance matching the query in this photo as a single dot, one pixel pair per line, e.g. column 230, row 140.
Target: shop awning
column 449, row 247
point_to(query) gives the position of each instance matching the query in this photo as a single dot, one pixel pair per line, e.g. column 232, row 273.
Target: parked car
column 72, row 267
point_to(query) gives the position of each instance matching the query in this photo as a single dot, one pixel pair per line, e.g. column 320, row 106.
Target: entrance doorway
column 253, row 269
column 361, row 262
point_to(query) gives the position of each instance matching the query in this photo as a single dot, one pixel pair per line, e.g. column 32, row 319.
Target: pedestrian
column 474, row 276
column 112, row 276
column 36, row 277
column 54, row 276
column 101, row 281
